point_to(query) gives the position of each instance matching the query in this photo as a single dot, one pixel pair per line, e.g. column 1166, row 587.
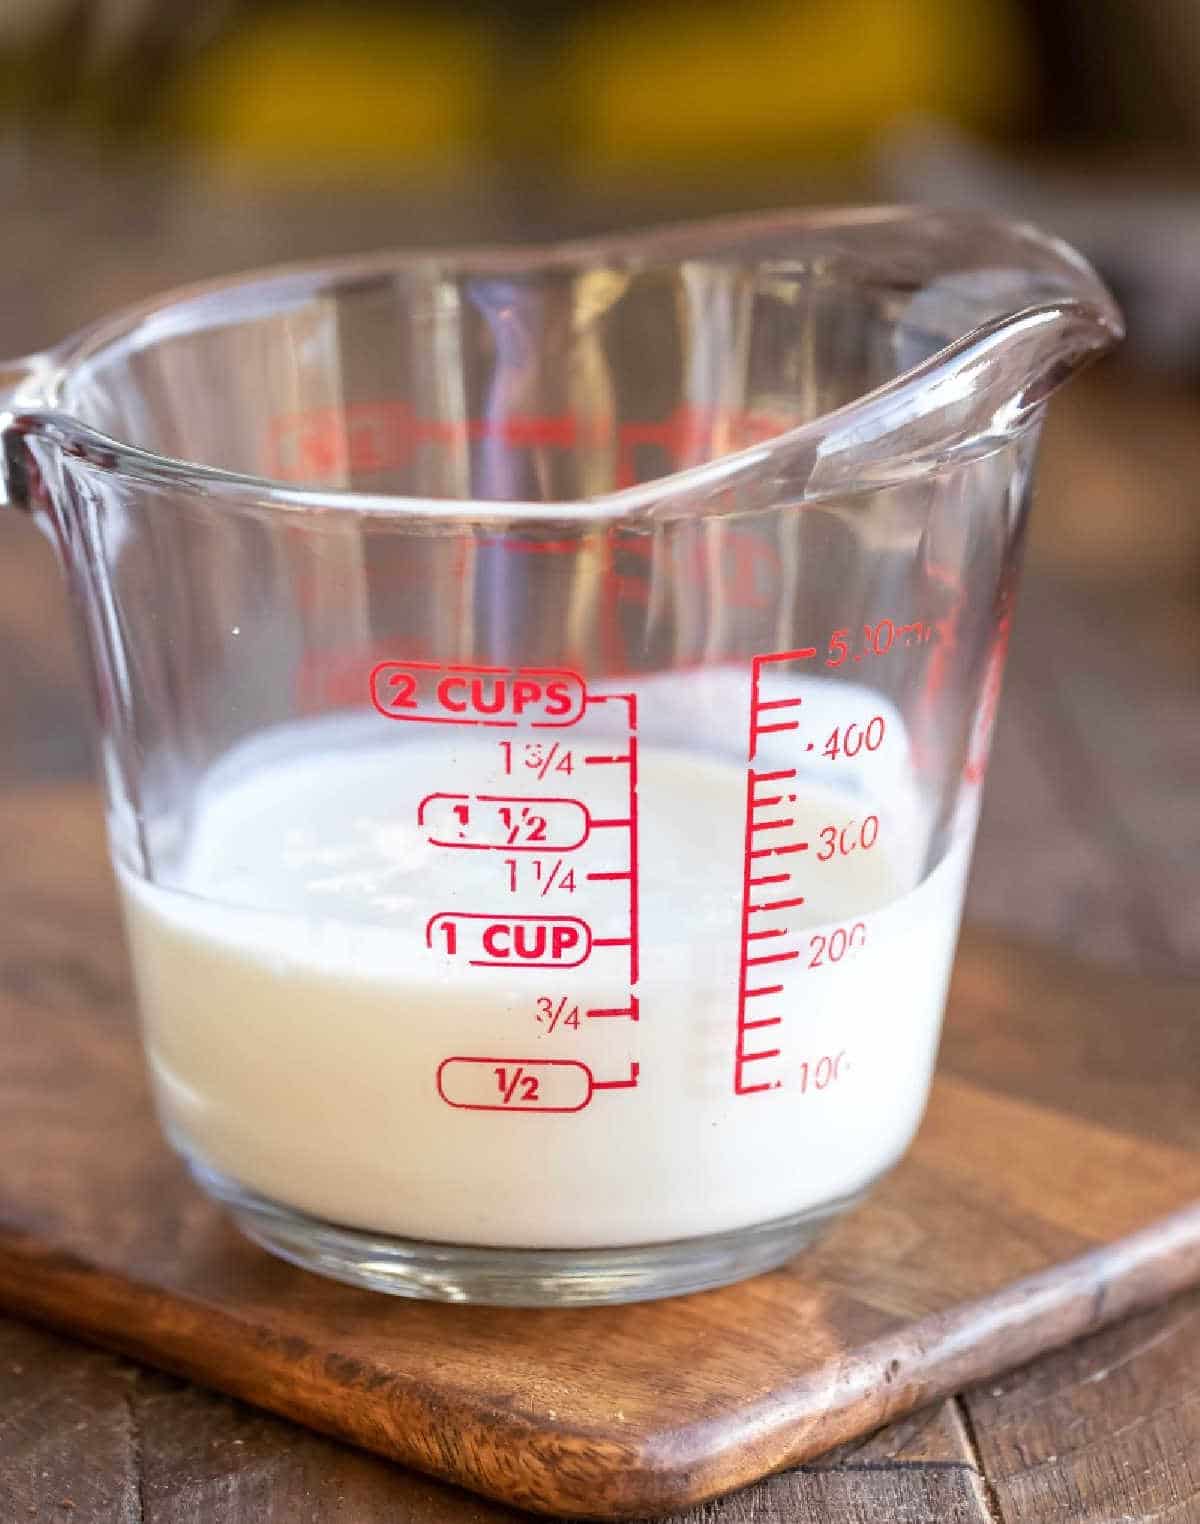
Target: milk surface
column 299, row 1011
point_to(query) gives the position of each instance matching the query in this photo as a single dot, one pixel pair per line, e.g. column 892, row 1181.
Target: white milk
column 297, row 1021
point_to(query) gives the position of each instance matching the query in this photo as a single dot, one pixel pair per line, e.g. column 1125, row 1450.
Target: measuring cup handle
column 21, row 400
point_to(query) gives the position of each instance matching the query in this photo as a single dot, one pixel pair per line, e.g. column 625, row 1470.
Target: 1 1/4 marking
column 540, row 873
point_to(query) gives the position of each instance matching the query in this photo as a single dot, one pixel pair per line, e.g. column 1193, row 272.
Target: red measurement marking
column 854, row 738
column 743, row 1056
column 513, row 941
column 845, row 840
column 505, row 821
column 627, row 758
column 522, row 1084
column 554, row 1015
column 833, row 946
column 515, row 1084
column 544, row 768
column 878, row 639
column 758, row 704
column 777, row 877
column 535, row 757
column 436, row 693
column 369, row 437
column 829, row 1067
column 629, row 1083
column 778, row 904
column 632, row 1011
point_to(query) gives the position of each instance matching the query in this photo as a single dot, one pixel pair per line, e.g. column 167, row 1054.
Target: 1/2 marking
column 510, row 1080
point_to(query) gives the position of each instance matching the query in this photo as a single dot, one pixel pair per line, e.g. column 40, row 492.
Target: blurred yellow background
column 587, row 93
column 611, row 91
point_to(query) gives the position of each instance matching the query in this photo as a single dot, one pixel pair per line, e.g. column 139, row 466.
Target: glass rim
column 41, row 378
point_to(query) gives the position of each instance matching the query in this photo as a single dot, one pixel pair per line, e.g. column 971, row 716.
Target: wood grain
column 185, row 1456
column 1107, row 1429
column 572, row 1411
column 66, row 1437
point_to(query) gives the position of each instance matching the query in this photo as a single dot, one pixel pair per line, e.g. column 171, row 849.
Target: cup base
column 440, row 1272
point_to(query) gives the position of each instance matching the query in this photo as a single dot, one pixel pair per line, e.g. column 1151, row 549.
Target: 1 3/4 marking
column 536, row 757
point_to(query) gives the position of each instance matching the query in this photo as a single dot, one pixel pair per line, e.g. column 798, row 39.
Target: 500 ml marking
column 546, row 829
column 769, row 956
column 877, row 640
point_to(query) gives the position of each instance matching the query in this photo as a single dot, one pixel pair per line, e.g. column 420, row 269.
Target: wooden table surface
column 1090, row 841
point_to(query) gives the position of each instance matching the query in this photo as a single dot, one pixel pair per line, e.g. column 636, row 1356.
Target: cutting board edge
column 563, row 1471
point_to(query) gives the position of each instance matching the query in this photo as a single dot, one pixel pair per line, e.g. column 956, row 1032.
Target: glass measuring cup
column 544, row 698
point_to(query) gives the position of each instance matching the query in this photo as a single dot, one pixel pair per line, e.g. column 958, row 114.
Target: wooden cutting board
column 1052, row 1189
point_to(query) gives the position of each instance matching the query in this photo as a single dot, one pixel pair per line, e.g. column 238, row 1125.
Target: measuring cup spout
column 977, row 393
